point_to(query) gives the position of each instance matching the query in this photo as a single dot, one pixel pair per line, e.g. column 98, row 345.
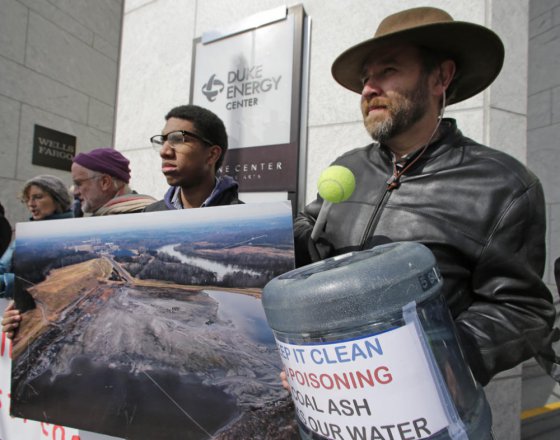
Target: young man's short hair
column 206, row 123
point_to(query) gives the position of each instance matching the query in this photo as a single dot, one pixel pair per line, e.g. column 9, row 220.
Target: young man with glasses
column 101, row 179
column 192, row 147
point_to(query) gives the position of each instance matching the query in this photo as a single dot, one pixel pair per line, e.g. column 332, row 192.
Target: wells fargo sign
column 52, row 148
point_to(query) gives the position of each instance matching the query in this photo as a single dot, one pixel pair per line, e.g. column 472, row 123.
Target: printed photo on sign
column 151, row 325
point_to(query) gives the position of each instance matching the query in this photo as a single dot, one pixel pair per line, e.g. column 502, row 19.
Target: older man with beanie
column 101, row 178
column 480, row 211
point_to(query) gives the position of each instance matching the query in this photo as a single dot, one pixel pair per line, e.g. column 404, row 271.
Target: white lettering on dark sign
column 52, row 148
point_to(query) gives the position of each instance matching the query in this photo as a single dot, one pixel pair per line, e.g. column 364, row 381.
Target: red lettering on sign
column 342, row 381
column 61, row 429
column 3, row 343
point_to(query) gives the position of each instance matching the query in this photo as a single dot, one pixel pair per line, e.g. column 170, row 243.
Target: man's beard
column 92, row 204
column 86, row 207
column 403, row 110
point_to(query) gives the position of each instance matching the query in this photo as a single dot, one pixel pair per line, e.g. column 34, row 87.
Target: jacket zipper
column 392, row 182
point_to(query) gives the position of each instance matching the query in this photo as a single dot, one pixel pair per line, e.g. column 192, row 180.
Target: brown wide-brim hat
column 477, row 51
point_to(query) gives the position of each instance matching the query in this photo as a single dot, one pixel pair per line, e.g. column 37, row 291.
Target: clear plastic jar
column 370, row 350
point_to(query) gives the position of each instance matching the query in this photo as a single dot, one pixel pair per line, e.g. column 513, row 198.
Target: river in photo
column 213, row 266
column 246, row 313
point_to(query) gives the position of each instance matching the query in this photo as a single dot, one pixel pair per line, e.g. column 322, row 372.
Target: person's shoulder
column 156, row 206
column 498, row 163
column 230, row 196
column 359, row 151
column 355, row 155
column 4, row 223
column 60, row 215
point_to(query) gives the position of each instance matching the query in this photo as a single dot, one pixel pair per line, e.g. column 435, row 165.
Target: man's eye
column 175, row 139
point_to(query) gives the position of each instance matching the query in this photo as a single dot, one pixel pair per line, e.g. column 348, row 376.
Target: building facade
column 59, row 70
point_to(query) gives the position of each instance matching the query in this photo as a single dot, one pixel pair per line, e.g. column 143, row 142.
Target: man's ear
column 445, row 74
column 106, row 182
column 215, row 152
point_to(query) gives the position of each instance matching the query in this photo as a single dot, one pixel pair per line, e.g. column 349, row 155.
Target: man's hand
column 284, row 380
column 11, row 320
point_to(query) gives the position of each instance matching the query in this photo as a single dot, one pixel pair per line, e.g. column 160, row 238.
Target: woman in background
column 47, row 198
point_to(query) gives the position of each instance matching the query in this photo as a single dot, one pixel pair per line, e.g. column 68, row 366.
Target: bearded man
column 480, row 211
column 101, row 179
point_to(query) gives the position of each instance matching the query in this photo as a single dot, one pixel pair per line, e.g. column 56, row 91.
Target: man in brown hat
column 480, row 211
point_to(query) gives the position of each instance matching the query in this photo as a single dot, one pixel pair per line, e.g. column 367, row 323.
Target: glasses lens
column 175, row 138
column 157, row 141
column 33, row 198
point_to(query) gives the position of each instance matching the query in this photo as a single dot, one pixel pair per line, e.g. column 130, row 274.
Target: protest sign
column 150, row 325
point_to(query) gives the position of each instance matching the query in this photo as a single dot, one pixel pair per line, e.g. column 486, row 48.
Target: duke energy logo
column 212, row 88
column 244, row 85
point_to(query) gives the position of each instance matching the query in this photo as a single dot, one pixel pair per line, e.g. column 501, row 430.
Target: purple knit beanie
column 106, row 161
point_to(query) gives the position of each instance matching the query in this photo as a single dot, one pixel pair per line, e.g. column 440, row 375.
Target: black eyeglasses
column 175, row 138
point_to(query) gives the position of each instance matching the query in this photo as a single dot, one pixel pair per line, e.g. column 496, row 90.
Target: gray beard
column 404, row 113
column 86, row 208
column 385, row 130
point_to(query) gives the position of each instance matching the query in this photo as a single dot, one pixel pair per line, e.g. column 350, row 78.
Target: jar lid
column 352, row 290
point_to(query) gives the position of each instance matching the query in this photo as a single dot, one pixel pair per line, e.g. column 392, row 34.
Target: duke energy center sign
column 248, row 79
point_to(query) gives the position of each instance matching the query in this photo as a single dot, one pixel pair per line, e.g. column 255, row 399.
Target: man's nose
column 370, row 90
column 166, row 150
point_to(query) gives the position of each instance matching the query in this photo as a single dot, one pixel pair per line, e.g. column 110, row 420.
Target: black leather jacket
column 481, row 213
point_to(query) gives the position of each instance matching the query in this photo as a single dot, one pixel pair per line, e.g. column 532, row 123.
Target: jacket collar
column 224, row 184
column 450, row 138
column 55, row 216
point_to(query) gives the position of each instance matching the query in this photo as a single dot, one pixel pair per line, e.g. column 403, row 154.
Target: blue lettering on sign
column 342, row 353
column 284, row 352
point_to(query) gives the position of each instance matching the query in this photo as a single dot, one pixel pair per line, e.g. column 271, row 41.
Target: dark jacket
column 5, row 234
column 224, row 193
column 557, row 273
column 481, row 213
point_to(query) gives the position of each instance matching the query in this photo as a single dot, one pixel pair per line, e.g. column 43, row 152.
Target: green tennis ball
column 336, row 184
